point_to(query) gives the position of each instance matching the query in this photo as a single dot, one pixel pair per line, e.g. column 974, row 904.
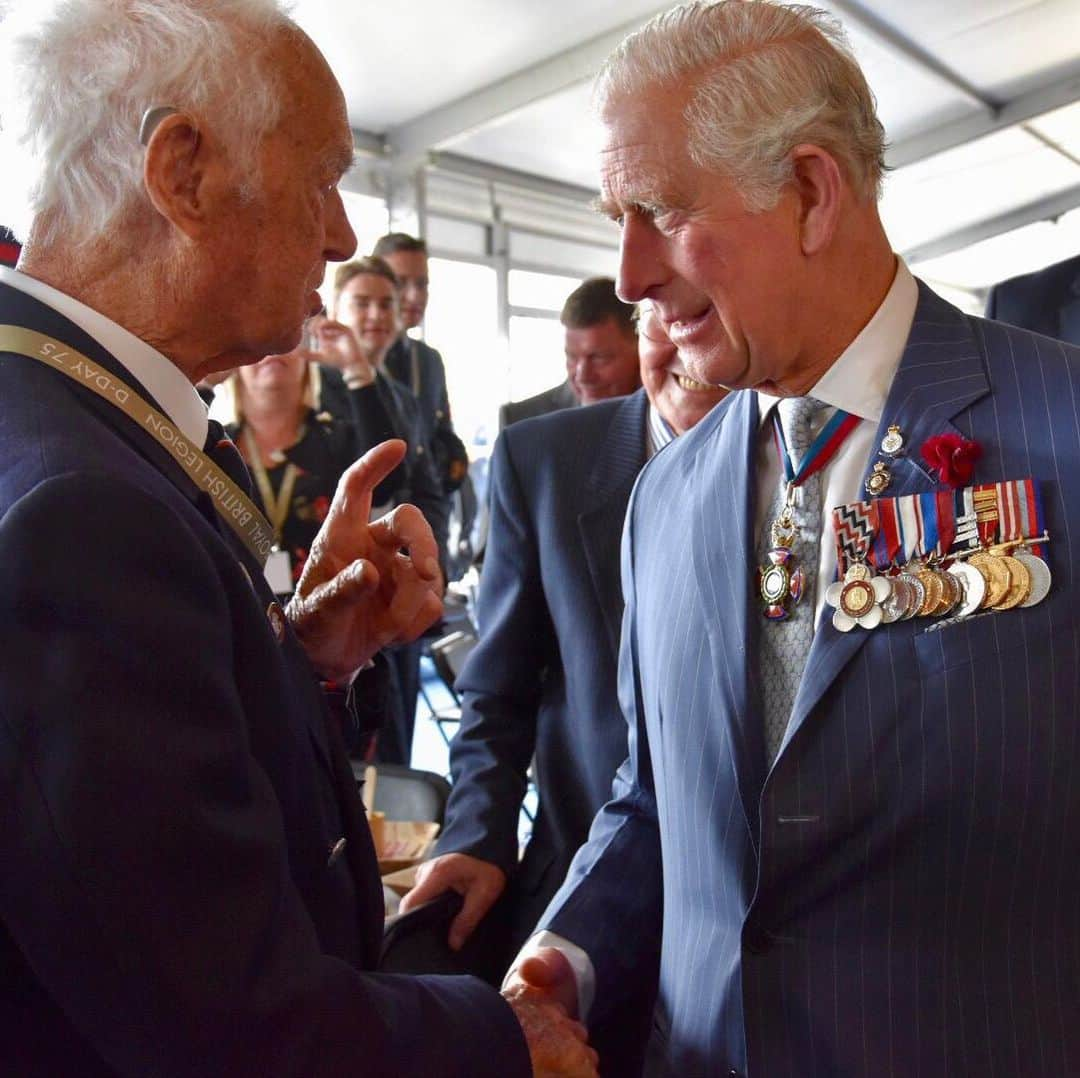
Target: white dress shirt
column 858, row 382
column 162, row 379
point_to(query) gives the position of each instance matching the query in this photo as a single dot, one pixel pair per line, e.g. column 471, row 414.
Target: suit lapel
column 621, row 457
column 721, row 544
column 942, row 372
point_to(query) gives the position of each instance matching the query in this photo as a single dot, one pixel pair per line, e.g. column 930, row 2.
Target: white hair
column 764, row 79
column 76, row 77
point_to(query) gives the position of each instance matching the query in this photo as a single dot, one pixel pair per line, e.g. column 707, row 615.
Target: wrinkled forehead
column 643, row 149
column 313, row 102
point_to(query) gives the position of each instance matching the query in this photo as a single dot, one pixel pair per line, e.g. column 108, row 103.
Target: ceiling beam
column 408, row 142
column 871, row 24
column 1042, row 209
column 460, row 165
column 1028, row 106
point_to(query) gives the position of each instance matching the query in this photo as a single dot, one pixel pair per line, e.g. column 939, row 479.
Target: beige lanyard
column 231, row 503
column 277, row 508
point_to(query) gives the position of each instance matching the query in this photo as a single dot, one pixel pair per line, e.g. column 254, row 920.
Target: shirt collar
column 659, row 433
column 858, row 382
column 162, row 379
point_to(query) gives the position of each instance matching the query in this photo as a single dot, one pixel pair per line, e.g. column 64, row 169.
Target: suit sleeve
column 146, row 879
column 617, row 925
column 501, row 681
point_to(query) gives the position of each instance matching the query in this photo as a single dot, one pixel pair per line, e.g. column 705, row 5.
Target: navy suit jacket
column 1047, row 301
column 542, row 679
column 898, row 894
column 550, row 400
column 171, row 788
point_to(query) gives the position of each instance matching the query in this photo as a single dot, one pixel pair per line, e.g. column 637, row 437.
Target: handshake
column 542, row 990
column 543, row 993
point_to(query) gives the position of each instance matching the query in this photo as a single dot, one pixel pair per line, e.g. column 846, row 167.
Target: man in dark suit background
column 415, row 363
column 855, row 842
column 189, row 887
column 1047, row 301
column 541, row 682
column 601, row 354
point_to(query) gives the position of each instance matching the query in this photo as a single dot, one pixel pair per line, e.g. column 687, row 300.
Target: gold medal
column 951, row 593
column 934, row 588
column 996, row 574
column 1019, row 584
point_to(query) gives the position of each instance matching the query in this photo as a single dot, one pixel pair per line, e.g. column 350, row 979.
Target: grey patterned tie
column 786, row 644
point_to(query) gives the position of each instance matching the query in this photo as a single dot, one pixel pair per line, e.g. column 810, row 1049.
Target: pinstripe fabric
column 899, row 894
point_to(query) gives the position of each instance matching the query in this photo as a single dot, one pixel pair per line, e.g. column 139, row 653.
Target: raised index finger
column 352, row 499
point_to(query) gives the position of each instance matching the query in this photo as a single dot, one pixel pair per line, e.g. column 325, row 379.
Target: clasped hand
column 366, row 584
column 543, row 993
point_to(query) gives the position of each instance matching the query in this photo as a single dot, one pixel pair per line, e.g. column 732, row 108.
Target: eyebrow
column 340, row 160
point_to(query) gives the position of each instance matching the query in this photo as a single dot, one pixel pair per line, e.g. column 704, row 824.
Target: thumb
column 549, row 972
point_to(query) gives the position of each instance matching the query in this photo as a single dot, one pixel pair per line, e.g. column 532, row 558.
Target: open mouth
column 691, row 385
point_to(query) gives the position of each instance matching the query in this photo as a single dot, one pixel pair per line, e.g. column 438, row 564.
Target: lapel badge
column 276, row 616
column 335, row 852
column 893, row 441
column 878, row 479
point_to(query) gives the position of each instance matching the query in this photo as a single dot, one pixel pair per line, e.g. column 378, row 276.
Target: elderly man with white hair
column 849, row 817
column 188, row 885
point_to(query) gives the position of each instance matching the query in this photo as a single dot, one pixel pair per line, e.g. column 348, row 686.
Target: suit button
column 733, row 1073
column 756, row 940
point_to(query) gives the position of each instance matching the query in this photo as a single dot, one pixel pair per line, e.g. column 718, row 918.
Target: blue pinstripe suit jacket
column 898, row 895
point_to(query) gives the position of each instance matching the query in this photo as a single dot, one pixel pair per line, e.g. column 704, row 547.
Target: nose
column 339, row 239
column 641, row 269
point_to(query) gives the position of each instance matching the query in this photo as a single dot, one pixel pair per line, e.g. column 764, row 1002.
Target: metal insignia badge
column 879, row 479
column 893, row 441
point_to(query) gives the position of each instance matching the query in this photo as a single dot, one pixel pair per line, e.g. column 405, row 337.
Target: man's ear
column 178, row 171
column 819, row 186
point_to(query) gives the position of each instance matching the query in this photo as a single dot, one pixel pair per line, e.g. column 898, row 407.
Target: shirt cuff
column 580, row 963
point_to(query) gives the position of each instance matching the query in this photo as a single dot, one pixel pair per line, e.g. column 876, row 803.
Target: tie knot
column 797, row 416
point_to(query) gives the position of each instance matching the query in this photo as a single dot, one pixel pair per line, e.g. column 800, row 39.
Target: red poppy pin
column 951, row 457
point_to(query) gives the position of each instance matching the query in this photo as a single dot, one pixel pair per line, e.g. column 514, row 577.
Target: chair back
column 405, row 793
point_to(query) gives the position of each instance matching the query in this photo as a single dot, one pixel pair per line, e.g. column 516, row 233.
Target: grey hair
column 764, row 79
column 76, row 77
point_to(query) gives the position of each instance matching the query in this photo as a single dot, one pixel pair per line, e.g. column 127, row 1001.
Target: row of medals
column 1001, row 577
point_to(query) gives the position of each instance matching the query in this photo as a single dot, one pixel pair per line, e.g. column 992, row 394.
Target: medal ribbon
column 887, row 540
column 946, row 520
column 967, row 532
column 928, row 518
column 907, row 517
column 231, row 503
column 823, row 448
column 986, row 512
column 854, row 526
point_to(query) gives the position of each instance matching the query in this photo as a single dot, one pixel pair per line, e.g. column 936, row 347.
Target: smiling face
column 725, row 284
column 601, row 361
column 368, row 305
column 680, row 399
